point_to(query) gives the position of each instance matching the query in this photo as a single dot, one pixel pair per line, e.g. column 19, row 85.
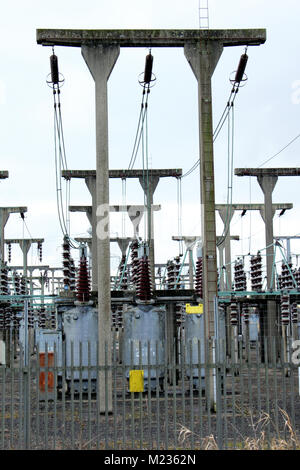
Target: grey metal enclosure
column 144, row 341
column 195, row 348
column 80, row 326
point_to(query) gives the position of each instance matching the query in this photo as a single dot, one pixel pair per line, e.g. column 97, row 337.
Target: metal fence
column 51, row 399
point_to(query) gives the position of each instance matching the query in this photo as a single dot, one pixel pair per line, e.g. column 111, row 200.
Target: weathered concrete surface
column 148, row 37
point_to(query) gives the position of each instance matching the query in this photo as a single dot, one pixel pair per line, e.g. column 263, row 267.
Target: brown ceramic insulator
column 144, row 287
column 83, row 282
column 134, row 262
column 199, row 278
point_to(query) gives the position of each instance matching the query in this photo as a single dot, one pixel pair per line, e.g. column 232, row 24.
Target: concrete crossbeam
column 148, row 37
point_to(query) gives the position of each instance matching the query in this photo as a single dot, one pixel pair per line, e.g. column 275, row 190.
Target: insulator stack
column 2, row 318
column 171, row 275
column 294, row 313
column 285, row 309
column 148, row 68
column 17, row 282
column 83, row 282
column 113, row 315
column 199, row 277
column 40, row 251
column 42, row 318
column 4, row 280
column 233, row 313
column 52, row 320
column 23, row 287
column 134, row 262
column 124, row 279
column 144, row 285
column 173, row 268
column 179, row 314
column 286, row 278
column 256, row 272
column 9, row 252
column 54, row 69
column 15, row 320
column 66, row 263
column 241, row 68
column 279, row 282
column 240, row 280
column 72, row 275
column 119, row 316
column 245, row 312
column 297, row 277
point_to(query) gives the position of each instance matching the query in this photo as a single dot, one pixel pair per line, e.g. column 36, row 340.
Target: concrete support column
column 25, row 246
column 267, row 184
column 203, row 58
column 149, row 184
column 91, row 184
column 226, row 216
column 4, row 214
column 100, row 61
column 221, row 264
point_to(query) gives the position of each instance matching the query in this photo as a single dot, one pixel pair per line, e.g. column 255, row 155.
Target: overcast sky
column 267, row 116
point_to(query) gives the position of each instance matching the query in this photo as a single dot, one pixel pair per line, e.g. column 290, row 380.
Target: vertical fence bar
column 174, row 379
column 219, row 407
column 12, row 395
column 233, row 391
column 97, row 398
column 21, row 414
column 79, row 345
column 242, row 403
column 114, row 379
column 191, row 392
column 46, row 395
column 274, row 365
column 26, row 367
column 63, row 391
column 89, row 395
column 3, row 408
column 141, row 397
column 182, row 368
column 123, row 371
column 157, row 395
column 72, row 394
column 132, row 397
column 165, row 386
column 55, row 395
column 267, row 389
column 149, row 395
column 106, row 374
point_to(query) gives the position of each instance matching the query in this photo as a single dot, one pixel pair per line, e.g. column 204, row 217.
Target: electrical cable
column 276, row 154
column 143, row 113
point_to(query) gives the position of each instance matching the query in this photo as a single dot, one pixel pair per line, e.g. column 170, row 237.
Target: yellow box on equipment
column 136, row 380
column 194, row 308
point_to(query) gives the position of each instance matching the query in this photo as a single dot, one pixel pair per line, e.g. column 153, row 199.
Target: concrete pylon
column 100, row 60
column 203, row 58
column 189, row 242
column 226, row 216
column 149, row 185
column 267, row 184
column 4, row 215
column 90, row 182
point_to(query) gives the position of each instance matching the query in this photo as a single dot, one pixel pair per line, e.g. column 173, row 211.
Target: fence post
column 26, row 379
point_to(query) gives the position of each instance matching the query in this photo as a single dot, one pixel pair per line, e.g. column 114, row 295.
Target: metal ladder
column 203, row 14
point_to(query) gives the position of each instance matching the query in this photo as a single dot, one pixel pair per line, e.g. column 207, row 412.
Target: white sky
column 267, row 112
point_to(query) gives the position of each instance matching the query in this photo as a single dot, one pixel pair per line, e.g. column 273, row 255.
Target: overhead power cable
column 276, row 154
column 60, row 151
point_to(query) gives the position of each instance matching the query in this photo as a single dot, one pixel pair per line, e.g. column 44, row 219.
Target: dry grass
column 259, row 439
